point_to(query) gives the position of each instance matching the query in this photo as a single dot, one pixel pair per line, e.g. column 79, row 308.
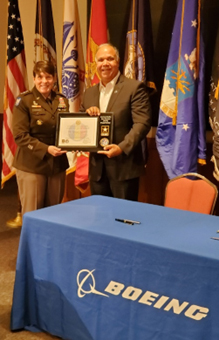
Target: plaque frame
column 81, row 132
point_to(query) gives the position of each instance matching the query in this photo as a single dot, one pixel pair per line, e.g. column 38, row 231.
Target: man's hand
column 111, row 150
column 54, row 151
column 93, row 111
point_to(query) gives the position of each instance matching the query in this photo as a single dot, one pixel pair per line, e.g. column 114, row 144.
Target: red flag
column 82, row 170
column 15, row 83
column 97, row 35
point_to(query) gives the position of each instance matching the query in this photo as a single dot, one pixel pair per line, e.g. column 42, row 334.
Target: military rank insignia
column 35, row 106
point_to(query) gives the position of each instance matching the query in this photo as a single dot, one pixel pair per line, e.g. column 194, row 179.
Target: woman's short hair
column 45, row 67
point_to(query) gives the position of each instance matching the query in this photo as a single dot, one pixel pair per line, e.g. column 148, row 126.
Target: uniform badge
column 35, row 106
column 39, row 122
column 61, row 105
column 17, row 101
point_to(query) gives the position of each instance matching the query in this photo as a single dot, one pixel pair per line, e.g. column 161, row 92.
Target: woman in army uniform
column 40, row 164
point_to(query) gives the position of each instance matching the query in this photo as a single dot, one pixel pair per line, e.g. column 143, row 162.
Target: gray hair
column 108, row 44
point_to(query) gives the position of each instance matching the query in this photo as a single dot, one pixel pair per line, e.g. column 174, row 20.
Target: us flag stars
column 15, row 37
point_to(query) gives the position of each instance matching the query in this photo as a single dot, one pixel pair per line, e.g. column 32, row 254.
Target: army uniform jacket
column 34, row 129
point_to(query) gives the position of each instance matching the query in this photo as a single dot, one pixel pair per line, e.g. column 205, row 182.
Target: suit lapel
column 115, row 93
column 96, row 96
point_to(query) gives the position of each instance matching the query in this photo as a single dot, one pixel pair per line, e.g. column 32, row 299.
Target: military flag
column 73, row 66
column 44, row 42
column 139, row 60
column 214, row 106
column 15, row 83
column 97, row 35
column 139, row 56
column 180, row 134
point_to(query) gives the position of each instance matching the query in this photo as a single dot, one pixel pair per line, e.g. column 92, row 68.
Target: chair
column 192, row 192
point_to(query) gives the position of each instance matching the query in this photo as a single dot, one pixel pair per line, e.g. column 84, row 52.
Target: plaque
column 79, row 131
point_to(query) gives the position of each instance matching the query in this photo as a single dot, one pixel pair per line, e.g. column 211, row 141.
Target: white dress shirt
column 106, row 92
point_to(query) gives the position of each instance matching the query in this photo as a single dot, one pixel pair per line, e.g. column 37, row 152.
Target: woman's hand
column 54, row 151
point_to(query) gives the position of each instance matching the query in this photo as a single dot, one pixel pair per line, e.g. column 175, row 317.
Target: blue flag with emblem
column 214, row 107
column 180, row 134
column 73, row 68
column 139, row 54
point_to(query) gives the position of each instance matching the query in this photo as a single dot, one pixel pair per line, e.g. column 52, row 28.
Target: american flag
column 15, row 83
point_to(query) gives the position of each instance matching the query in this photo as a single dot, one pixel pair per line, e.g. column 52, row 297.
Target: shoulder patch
column 17, row 101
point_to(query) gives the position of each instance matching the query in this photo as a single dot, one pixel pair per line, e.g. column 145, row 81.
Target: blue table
column 82, row 275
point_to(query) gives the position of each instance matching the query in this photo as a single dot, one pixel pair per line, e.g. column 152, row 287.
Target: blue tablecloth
column 82, row 275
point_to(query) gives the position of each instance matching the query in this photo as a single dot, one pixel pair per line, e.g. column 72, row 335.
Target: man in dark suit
column 115, row 170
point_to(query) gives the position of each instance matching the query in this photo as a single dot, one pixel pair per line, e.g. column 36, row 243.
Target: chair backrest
column 191, row 192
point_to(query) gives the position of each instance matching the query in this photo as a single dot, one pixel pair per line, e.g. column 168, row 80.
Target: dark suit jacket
column 34, row 129
column 132, row 120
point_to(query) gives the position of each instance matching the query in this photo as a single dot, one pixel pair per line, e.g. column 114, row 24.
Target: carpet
column 9, row 241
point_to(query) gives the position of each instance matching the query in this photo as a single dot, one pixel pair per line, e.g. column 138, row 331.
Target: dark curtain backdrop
column 163, row 14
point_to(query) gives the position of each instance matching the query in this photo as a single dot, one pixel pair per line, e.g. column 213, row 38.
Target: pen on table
column 215, row 238
column 127, row 221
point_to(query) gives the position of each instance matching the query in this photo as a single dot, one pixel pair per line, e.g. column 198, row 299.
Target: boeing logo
column 81, row 291
column 85, row 280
